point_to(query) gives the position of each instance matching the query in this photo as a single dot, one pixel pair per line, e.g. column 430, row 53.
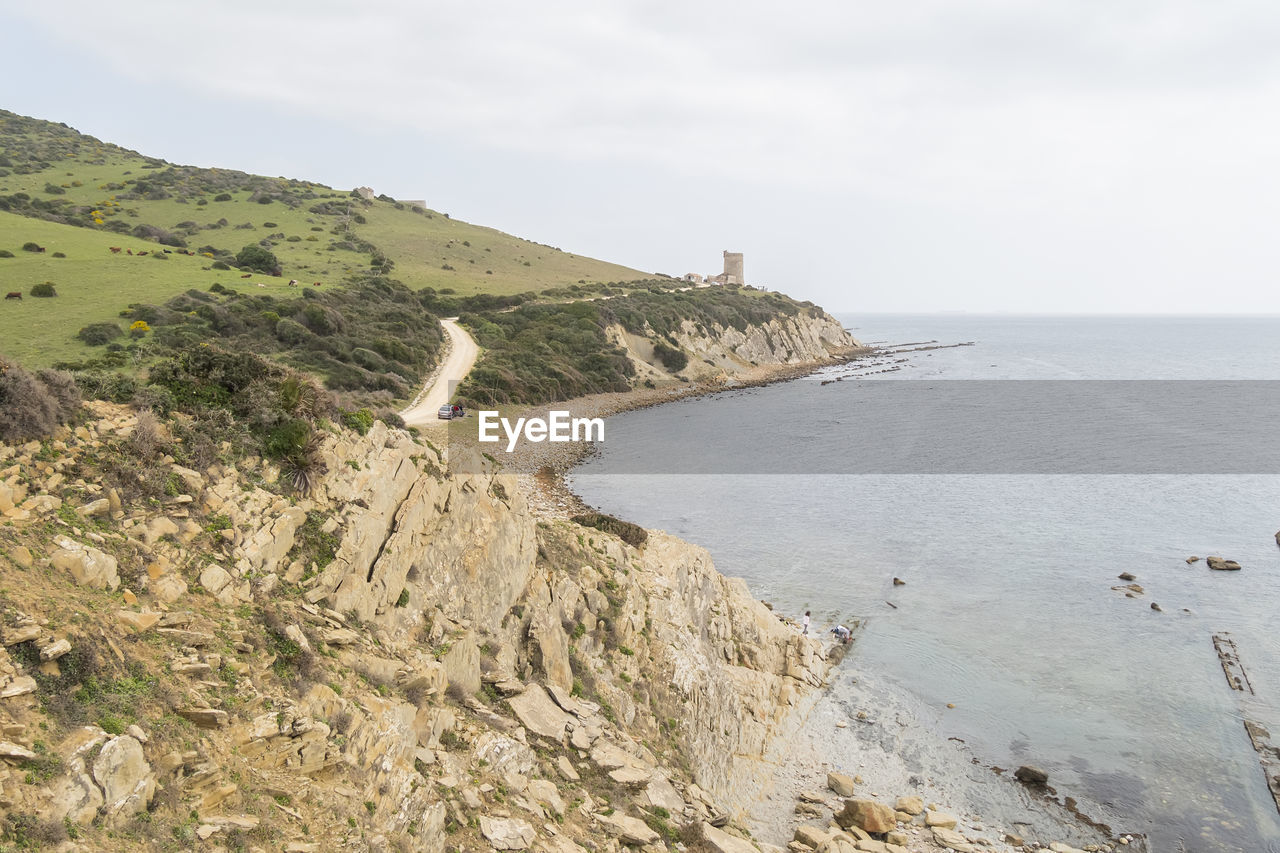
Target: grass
column 316, row 232
column 421, row 246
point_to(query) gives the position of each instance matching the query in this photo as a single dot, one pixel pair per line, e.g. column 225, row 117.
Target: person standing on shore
column 805, row 623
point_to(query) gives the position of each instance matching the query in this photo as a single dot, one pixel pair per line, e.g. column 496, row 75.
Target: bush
column 254, row 257
column 5, row 253
column 219, row 265
column 54, row 189
column 139, row 329
column 29, row 407
column 633, row 534
column 359, row 420
column 97, row 334
column 673, row 359
column 44, row 290
column 30, row 246
column 222, row 197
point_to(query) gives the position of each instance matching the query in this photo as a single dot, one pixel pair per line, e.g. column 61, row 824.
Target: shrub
column 30, row 246
column 673, row 359
column 5, row 253
column 97, row 334
column 139, row 329
column 219, row 265
column 29, row 407
column 222, row 197
column 359, row 420
column 44, row 290
column 54, row 189
column 59, row 254
column 254, row 257
column 633, row 534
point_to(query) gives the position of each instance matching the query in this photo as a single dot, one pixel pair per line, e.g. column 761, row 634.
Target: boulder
column 1028, row 775
column 124, row 775
column 629, row 829
column 137, row 621
column 168, row 587
column 811, row 836
column 22, row 556
column 840, row 783
column 723, row 842
column 205, row 718
column 1192, row 559
column 538, row 713
column 1218, row 564
column 89, row 566
column 951, row 838
column 158, row 528
column 507, row 833
column 867, row 815
column 462, row 665
column 214, row 578
column 940, row 819
column 911, row 805
column 565, row 766
column 95, row 508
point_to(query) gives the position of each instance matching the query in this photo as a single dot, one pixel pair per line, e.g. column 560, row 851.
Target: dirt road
column 458, row 363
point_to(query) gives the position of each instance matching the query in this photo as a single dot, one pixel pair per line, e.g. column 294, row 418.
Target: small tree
column 45, row 289
column 255, row 257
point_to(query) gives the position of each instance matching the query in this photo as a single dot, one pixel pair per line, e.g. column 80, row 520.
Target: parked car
column 445, row 413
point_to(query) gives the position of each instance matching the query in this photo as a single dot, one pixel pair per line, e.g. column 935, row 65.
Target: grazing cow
column 140, row 254
column 115, row 250
column 167, row 252
column 130, row 251
column 13, row 294
column 293, row 282
column 247, row 275
column 317, row 284
column 40, row 249
column 261, row 285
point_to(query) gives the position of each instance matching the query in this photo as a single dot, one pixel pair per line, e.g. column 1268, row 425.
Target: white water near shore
column 1009, row 612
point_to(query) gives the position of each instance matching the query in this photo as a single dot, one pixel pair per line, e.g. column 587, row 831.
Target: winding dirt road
column 462, row 356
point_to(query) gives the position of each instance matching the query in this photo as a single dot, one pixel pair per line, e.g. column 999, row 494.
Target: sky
column 987, row 156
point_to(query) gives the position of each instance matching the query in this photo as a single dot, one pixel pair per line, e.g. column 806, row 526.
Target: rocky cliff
column 809, row 338
column 403, row 659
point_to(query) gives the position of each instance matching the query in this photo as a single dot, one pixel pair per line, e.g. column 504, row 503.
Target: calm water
column 1008, row 610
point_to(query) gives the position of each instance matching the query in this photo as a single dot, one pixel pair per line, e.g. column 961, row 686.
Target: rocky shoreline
column 808, row 803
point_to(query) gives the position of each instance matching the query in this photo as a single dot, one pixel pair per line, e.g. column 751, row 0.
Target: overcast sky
column 984, row 155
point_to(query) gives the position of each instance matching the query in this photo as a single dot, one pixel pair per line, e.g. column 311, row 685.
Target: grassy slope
column 94, row 285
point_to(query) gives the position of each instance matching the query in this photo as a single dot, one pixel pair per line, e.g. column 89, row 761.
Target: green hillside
column 76, row 196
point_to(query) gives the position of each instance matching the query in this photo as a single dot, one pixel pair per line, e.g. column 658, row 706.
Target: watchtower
column 733, row 268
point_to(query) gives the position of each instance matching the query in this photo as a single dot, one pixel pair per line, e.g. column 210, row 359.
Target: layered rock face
column 783, row 340
column 403, row 659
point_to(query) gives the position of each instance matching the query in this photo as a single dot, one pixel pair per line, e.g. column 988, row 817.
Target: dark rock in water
column 1218, row 564
column 1028, row 775
column 1126, row 576
column 1278, row 537
column 1157, row 607
column 1192, row 559
column 899, row 582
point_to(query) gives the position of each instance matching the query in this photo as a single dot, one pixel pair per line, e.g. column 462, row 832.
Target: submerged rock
column 1030, row 775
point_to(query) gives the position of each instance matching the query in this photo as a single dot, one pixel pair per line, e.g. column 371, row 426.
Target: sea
column 1006, row 471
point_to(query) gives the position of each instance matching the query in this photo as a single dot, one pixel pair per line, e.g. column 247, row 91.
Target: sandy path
column 457, row 364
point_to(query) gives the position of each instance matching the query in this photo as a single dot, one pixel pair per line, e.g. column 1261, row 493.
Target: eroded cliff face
column 811, row 337
column 404, row 659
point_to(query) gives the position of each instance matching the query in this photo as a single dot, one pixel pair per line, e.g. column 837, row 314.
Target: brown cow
column 13, row 294
column 247, row 275
column 140, row 254
column 130, row 251
column 115, row 250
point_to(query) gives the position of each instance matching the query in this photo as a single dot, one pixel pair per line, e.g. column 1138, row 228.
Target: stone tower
column 733, row 268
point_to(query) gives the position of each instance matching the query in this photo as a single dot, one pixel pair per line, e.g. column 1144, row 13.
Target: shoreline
column 543, row 467
column 802, row 759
